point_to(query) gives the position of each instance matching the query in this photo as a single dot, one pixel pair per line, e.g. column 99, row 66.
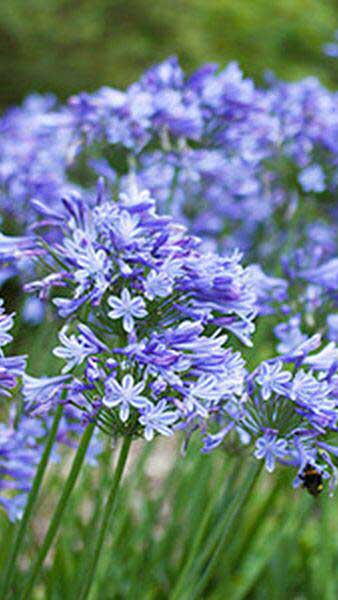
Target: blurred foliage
column 68, row 45
column 269, row 553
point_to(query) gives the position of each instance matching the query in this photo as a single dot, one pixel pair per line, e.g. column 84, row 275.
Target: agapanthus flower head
column 148, row 317
column 288, row 408
column 294, row 412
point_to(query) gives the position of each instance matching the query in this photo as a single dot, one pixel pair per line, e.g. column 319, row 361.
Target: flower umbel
column 168, row 364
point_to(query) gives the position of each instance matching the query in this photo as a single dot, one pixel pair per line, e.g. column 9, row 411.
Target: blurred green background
column 65, row 46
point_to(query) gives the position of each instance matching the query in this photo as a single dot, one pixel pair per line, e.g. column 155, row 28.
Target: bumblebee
column 312, row 480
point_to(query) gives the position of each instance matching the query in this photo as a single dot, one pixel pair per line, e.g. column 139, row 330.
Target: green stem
column 137, row 476
column 201, row 535
column 109, row 509
column 32, row 497
column 248, row 577
column 212, row 552
column 236, row 552
column 327, row 580
column 235, row 508
column 56, row 519
column 102, row 484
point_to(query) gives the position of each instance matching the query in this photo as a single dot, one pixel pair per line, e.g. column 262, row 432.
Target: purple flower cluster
column 238, row 165
column 36, row 151
column 216, row 151
column 311, row 271
column 295, row 413
column 291, row 415
column 147, row 311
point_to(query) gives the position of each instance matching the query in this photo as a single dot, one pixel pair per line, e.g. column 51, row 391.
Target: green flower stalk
column 60, row 508
column 106, row 519
column 185, row 589
column 21, row 531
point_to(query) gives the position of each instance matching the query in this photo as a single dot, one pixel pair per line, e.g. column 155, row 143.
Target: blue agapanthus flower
column 147, row 313
column 36, row 152
column 19, row 452
column 271, row 448
column 288, row 407
column 272, row 378
column 301, row 415
column 127, row 308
